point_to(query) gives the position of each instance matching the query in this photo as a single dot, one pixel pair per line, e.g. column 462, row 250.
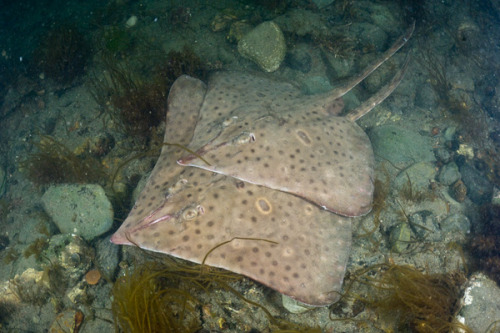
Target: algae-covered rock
column 265, row 45
column 83, row 210
column 449, row 174
column 322, row 3
column 480, row 309
column 28, row 286
column 401, row 146
column 72, row 254
column 301, row 22
column 400, row 237
column 3, row 181
column 416, row 179
column 107, row 257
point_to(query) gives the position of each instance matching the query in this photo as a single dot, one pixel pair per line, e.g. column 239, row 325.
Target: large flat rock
column 82, row 210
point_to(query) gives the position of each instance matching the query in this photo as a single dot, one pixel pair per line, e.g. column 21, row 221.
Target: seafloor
column 83, row 88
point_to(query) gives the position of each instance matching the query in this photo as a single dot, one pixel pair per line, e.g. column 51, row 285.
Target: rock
column 223, row 20
column 443, row 155
column 425, row 97
column 425, row 226
column 480, row 304
column 449, row 133
column 456, row 223
column 3, row 181
column 237, row 30
column 401, row 146
column 107, row 257
column 419, row 176
column 70, row 320
column 29, row 286
column 322, row 3
column 479, row 189
column 496, row 6
column 78, row 293
column 83, row 210
column 400, row 237
column 131, row 22
column 294, row 306
column 458, row 191
column 302, row 22
column 8, row 294
column 382, row 16
column 449, row 174
column 72, row 254
column 369, row 34
column 10, row 101
column 100, row 145
column 300, row 59
column 495, row 200
column 265, row 45
column 466, row 151
column 316, row 84
column 468, row 36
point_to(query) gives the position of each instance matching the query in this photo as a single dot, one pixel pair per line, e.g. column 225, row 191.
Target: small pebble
column 459, row 191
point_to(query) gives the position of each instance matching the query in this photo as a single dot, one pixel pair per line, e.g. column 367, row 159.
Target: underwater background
column 83, row 91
